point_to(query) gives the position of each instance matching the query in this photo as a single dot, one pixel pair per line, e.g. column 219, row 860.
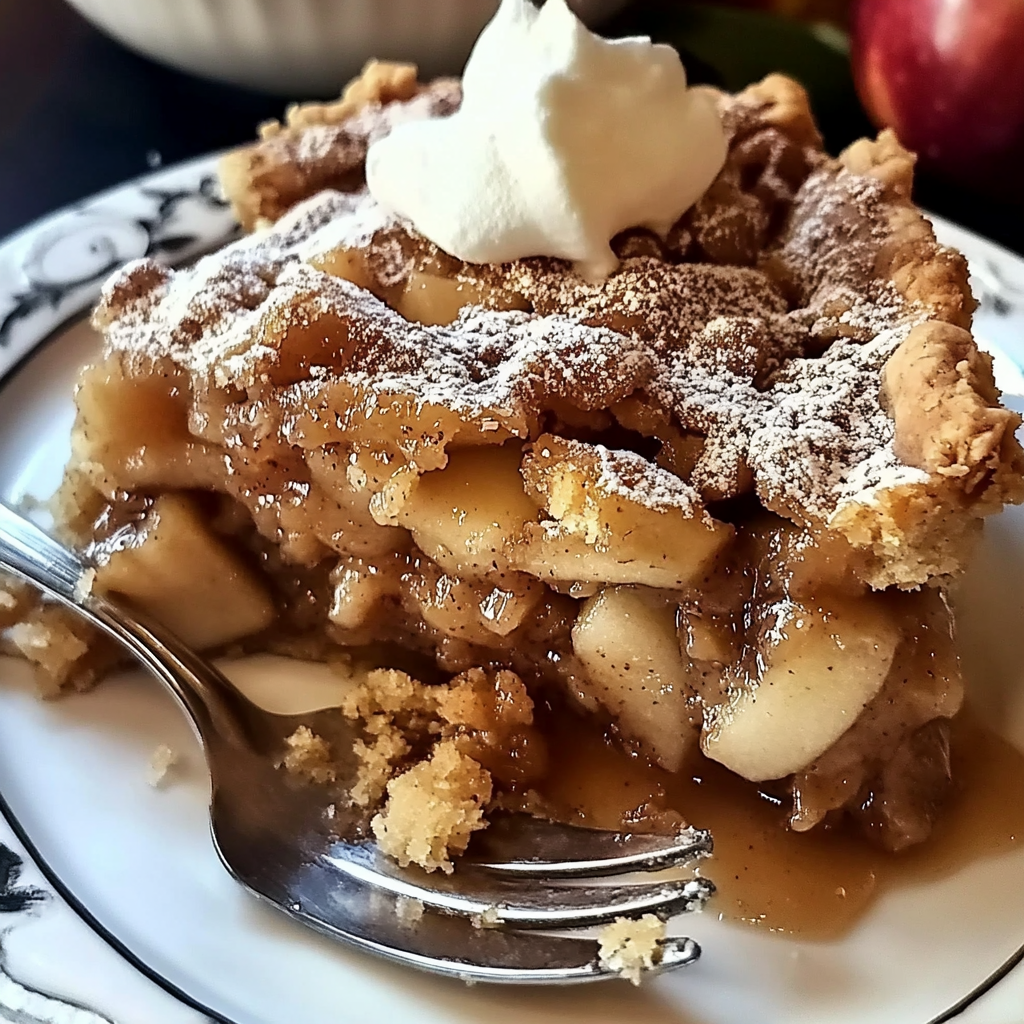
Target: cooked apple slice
column 709, row 637
column 157, row 451
column 349, row 264
column 433, row 299
column 613, row 517
column 626, row 639
column 465, row 515
column 187, row 578
column 820, row 667
column 474, row 610
column 801, row 561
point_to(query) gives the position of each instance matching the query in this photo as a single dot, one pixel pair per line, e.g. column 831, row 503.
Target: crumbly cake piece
column 421, row 757
column 409, row 911
column 51, row 643
column 15, row 598
column 631, row 946
column 424, row 749
column 433, row 809
column 540, row 484
column 309, row 756
column 395, row 712
column 65, row 651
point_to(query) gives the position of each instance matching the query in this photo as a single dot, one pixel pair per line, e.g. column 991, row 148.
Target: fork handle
column 211, row 701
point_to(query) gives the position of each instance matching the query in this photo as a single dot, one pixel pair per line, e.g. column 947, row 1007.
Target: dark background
column 79, row 113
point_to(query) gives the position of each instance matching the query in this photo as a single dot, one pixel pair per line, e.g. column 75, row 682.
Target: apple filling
column 557, row 571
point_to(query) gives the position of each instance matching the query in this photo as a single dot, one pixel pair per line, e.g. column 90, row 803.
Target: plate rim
column 21, row 345
column 24, row 334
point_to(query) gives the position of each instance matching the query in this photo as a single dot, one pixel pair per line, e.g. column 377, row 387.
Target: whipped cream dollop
column 563, row 139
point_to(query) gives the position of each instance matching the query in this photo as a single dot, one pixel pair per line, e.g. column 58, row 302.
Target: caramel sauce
column 815, row 884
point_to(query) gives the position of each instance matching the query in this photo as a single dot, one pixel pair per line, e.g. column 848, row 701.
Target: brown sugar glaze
column 811, row 885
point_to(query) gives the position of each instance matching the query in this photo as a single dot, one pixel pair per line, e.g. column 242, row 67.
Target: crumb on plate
column 163, row 760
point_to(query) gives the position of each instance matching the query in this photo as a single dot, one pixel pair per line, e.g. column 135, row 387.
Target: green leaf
column 731, row 48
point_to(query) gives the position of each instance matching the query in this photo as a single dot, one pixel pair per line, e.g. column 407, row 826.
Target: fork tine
column 535, row 903
column 370, row 919
column 522, row 846
column 314, row 892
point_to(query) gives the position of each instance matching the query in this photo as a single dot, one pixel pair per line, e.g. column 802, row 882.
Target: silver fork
column 282, row 840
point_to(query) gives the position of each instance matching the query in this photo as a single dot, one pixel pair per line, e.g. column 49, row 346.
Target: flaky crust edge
column 940, row 391
column 264, row 179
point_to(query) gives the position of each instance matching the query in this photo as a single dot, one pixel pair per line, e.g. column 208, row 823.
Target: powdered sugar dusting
column 634, row 478
column 822, row 427
column 771, row 371
column 350, row 139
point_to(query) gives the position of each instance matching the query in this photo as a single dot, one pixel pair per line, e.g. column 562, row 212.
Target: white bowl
column 302, row 47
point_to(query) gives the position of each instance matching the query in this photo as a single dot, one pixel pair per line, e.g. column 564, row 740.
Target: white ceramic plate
column 134, row 866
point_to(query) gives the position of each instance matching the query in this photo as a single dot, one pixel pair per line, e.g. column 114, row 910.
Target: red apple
column 948, row 77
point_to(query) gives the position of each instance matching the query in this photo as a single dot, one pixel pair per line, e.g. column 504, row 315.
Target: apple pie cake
column 709, row 505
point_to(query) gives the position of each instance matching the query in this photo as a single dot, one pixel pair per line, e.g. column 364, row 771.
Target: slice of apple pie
column 709, row 503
